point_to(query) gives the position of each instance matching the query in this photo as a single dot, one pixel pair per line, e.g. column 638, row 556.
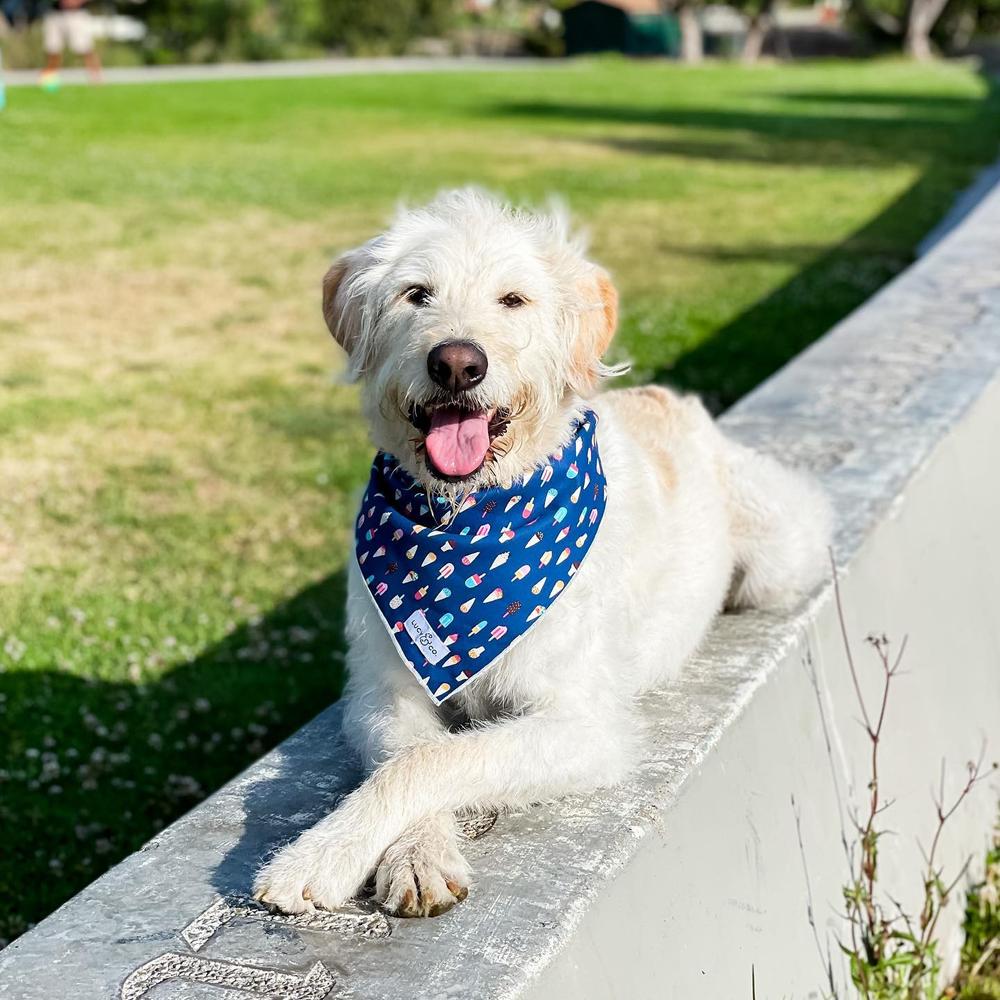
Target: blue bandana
column 457, row 585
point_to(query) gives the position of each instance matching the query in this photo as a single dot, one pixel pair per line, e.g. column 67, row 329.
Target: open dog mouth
column 457, row 439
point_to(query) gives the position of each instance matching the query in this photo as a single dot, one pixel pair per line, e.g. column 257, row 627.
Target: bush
column 210, row 30
column 366, row 26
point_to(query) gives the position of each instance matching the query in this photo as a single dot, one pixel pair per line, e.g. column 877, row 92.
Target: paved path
column 290, row 68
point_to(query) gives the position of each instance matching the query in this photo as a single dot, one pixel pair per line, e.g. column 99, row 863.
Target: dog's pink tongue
column 458, row 440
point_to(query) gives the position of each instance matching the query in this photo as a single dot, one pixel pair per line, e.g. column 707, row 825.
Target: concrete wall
column 701, row 868
column 718, row 883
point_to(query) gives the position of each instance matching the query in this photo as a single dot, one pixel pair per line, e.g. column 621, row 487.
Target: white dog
column 477, row 331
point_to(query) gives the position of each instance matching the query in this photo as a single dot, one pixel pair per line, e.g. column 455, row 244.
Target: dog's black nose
column 457, row 366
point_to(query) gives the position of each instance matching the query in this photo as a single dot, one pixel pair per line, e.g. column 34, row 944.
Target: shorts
column 70, row 29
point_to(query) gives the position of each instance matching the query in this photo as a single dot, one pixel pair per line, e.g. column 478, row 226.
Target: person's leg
column 93, row 63
column 80, row 28
column 52, row 38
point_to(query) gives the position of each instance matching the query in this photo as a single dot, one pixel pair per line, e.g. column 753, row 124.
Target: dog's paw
column 421, row 878
column 283, row 884
column 306, row 875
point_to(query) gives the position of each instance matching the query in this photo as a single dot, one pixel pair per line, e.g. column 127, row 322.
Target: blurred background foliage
column 185, row 31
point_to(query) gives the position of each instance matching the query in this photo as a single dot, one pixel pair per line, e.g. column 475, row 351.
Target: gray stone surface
column 701, row 867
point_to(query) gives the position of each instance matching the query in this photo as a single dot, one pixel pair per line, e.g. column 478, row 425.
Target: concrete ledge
column 703, row 866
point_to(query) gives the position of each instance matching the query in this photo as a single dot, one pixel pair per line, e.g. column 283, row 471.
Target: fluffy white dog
column 477, row 331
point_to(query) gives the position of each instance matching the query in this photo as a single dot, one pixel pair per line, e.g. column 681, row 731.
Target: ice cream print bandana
column 457, row 585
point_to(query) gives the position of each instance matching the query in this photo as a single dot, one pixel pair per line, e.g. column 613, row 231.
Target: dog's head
column 476, row 329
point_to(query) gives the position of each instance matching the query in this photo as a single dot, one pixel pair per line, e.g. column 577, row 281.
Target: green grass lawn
column 177, row 456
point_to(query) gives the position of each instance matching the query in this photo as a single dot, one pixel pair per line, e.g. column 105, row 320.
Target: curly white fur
column 691, row 518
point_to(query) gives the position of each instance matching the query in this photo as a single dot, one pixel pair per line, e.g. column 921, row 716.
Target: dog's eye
column 513, row 300
column 418, row 295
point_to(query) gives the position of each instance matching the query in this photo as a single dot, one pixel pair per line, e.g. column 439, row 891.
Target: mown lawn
column 178, row 458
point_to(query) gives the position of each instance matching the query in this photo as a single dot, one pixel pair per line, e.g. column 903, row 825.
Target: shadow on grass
column 97, row 767
column 763, row 338
column 827, row 125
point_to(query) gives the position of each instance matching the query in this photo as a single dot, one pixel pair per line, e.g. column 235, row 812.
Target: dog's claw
column 458, row 891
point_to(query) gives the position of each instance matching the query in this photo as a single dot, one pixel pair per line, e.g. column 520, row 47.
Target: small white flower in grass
column 14, row 648
column 79, row 616
column 202, row 705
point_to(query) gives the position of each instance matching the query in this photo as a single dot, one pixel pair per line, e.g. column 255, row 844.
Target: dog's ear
column 596, row 324
column 341, row 312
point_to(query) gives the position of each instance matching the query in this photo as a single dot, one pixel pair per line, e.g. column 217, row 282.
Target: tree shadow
column 760, row 340
column 789, row 151
column 94, row 768
column 854, row 129
column 925, row 102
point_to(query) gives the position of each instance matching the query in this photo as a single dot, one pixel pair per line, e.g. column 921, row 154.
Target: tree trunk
column 923, row 15
column 757, row 29
column 692, row 45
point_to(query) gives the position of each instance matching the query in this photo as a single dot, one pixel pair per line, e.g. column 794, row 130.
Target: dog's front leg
column 504, row 765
